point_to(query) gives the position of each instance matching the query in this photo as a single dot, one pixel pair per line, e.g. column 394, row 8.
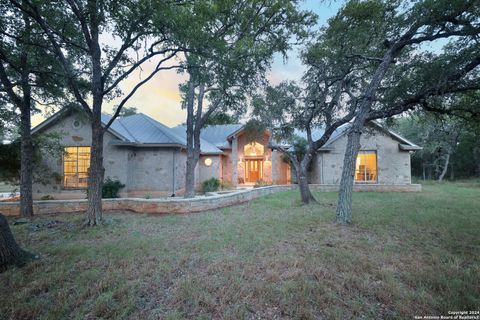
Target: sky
column 160, row 97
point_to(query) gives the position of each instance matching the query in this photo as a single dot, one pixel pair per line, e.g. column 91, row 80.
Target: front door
column 254, row 170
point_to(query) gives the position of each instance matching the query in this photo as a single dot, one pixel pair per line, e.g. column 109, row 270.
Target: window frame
column 365, row 170
column 77, row 187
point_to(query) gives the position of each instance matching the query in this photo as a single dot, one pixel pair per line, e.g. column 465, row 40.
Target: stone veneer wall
column 180, row 205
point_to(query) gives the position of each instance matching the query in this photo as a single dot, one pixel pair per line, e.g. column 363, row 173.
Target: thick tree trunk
column 191, row 158
column 10, row 252
column 305, row 192
column 302, row 180
column 344, row 207
column 445, row 168
column 96, row 175
column 26, row 162
column 190, row 173
column 26, row 171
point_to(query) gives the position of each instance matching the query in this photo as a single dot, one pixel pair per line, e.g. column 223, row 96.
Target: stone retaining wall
column 168, row 205
column 181, row 205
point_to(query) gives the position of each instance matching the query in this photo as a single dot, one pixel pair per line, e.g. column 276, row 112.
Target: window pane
column 76, row 166
column 366, row 166
column 371, row 167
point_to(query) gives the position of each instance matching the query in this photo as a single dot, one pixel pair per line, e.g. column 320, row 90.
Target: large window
column 76, row 166
column 366, row 166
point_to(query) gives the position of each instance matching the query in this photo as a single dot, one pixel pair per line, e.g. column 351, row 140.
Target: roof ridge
column 167, row 132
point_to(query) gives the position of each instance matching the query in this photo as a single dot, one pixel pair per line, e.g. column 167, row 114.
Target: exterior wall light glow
column 208, row 162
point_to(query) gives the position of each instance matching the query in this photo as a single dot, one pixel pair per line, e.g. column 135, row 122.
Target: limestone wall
column 393, row 165
column 181, row 205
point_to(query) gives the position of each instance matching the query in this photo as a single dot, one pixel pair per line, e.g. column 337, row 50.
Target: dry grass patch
column 406, row 255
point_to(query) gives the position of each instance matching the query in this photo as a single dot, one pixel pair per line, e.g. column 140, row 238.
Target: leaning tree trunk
column 26, row 162
column 10, row 252
column 95, row 178
column 302, row 179
column 445, row 168
column 344, row 207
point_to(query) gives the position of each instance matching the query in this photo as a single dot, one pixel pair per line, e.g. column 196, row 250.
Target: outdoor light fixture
column 208, row 162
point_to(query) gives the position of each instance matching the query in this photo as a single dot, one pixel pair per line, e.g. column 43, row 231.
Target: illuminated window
column 253, row 149
column 76, row 166
column 366, row 166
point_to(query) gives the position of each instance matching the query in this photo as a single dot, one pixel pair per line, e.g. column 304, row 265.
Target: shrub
column 47, row 197
column 111, row 187
column 261, row 183
column 211, row 185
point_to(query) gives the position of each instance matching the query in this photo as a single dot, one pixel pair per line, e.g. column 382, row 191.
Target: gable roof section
column 217, row 135
column 404, row 144
column 206, row 146
column 116, row 129
column 145, row 130
column 138, row 130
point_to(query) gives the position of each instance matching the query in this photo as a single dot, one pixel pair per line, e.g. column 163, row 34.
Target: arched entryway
column 254, row 154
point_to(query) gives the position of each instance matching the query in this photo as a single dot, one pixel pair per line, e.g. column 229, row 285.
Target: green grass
column 405, row 255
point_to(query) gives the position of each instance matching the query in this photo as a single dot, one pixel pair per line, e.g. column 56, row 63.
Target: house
column 150, row 158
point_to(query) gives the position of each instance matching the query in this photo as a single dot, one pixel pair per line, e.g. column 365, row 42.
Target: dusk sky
column 160, row 97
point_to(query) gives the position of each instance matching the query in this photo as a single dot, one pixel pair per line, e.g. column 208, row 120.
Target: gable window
column 76, row 167
column 366, row 166
column 253, row 149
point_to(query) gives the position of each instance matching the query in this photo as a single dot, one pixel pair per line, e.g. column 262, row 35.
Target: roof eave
column 211, row 153
column 406, row 147
column 145, row 145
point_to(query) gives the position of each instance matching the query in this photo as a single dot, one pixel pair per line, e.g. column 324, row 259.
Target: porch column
column 274, row 167
column 234, row 161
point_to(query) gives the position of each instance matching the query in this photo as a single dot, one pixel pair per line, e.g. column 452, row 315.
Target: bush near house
column 211, row 185
column 111, row 188
column 261, row 183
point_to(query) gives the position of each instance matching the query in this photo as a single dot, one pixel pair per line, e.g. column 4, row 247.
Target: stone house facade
column 150, row 158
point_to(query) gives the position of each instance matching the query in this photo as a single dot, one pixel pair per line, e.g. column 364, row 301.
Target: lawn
column 405, row 255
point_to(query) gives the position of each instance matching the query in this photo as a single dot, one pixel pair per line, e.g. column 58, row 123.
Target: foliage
column 220, row 117
column 47, row 197
column 128, row 111
column 10, row 155
column 79, row 36
column 111, row 188
column 254, row 130
column 439, row 136
column 261, row 183
column 231, row 46
column 211, row 185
